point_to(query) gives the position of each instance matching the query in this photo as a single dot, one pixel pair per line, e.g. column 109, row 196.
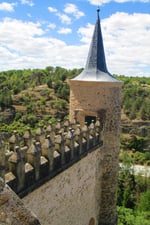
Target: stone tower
column 96, row 93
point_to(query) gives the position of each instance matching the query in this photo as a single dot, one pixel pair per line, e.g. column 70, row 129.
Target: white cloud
column 29, row 15
column 27, row 2
column 85, row 33
column 51, row 25
column 23, row 45
column 64, row 18
column 126, row 42
column 5, row 6
column 129, row 37
column 69, row 9
column 72, row 9
column 121, row 1
column 64, row 30
column 100, row 2
column 17, row 41
column 51, row 9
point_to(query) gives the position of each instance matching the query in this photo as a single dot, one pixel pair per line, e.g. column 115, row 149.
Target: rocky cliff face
column 7, row 115
column 138, row 128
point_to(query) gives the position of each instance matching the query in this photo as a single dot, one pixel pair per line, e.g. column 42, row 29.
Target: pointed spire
column 96, row 57
column 96, row 68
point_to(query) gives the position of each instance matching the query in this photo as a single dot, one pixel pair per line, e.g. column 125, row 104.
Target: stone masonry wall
column 102, row 100
column 69, row 198
column 12, row 209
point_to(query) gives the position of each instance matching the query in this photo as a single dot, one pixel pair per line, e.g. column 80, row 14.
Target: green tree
column 144, row 204
column 126, row 188
column 145, row 110
column 132, row 113
column 136, row 143
column 49, row 83
column 5, row 98
column 128, row 216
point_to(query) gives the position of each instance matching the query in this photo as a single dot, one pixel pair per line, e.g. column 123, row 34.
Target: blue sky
column 36, row 34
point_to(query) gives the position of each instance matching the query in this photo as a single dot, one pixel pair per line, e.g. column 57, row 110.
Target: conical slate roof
column 96, row 68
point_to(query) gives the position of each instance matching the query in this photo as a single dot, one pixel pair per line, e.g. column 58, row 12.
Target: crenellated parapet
column 12, row 209
column 32, row 159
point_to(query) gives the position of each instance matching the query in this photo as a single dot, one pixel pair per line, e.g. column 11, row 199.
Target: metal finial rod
column 98, row 6
column 98, row 10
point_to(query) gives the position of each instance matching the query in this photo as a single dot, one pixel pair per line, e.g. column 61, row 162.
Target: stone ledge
column 13, row 211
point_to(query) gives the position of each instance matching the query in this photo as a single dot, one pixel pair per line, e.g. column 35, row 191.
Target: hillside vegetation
column 32, row 97
column 136, row 98
column 27, row 96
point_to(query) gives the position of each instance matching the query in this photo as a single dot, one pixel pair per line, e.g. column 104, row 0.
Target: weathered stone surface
column 91, row 99
column 13, row 211
column 69, row 198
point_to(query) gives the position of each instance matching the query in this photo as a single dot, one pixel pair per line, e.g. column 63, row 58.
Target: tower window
column 89, row 119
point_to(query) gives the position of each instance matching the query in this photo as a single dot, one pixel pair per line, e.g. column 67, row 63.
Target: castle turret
column 95, row 93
